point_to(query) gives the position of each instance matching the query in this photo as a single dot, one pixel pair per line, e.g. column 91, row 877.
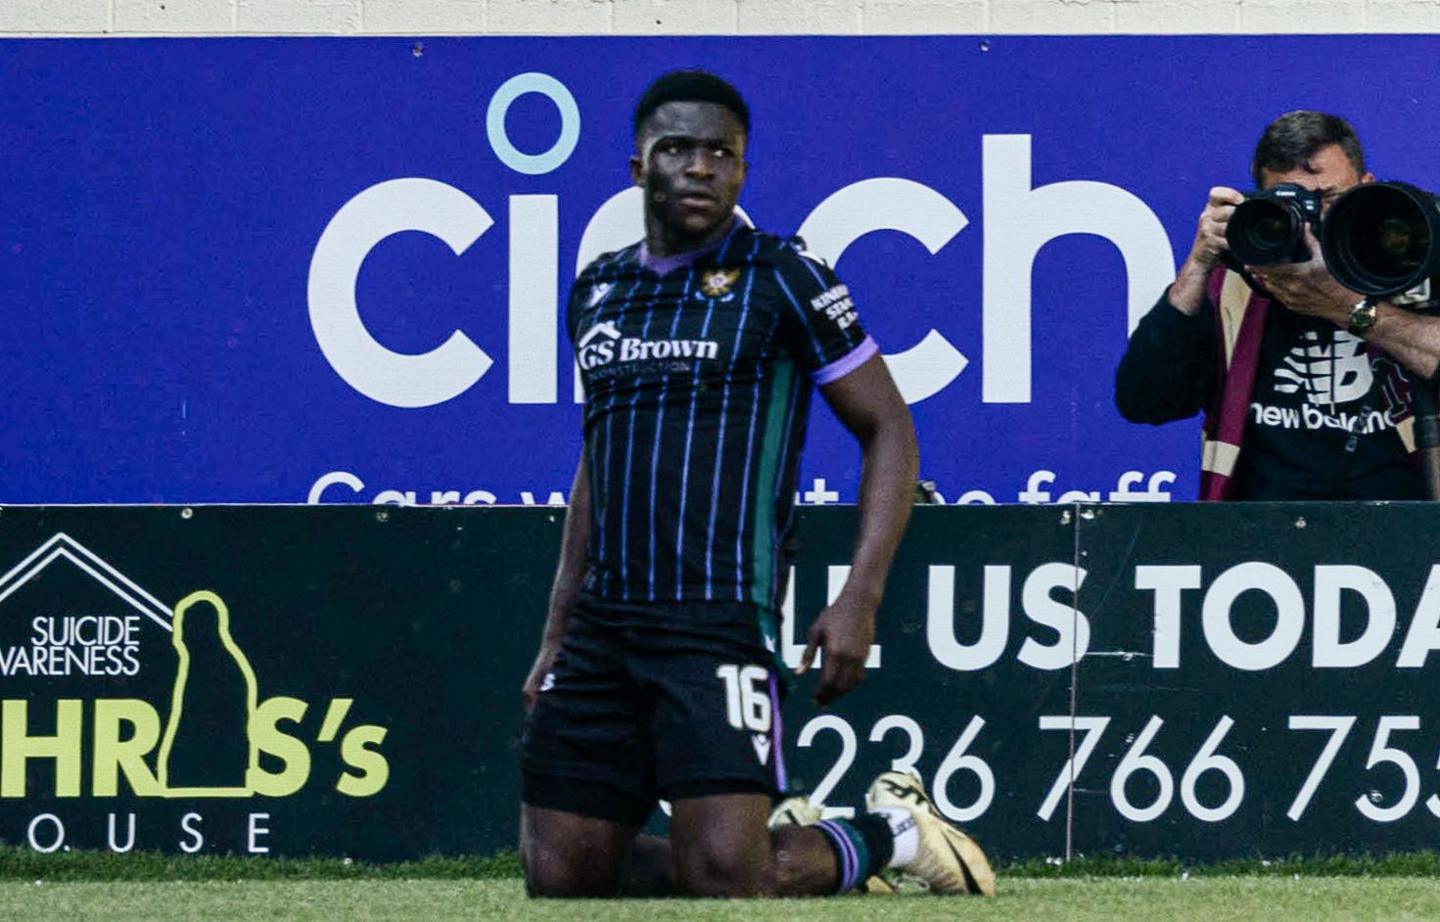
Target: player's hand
column 1308, row 287
column 844, row 630
column 544, row 662
column 1210, row 232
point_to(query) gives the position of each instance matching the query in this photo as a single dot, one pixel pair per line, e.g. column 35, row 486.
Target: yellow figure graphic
column 221, row 667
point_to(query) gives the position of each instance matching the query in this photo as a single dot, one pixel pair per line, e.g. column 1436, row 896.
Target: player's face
column 691, row 164
column 1328, row 172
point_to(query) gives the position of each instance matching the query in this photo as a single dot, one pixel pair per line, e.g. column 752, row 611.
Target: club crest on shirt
column 716, row 283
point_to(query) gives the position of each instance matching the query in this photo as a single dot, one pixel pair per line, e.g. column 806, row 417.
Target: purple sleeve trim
column 846, row 363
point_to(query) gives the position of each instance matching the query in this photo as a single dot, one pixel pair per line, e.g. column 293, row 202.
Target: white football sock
column 905, row 831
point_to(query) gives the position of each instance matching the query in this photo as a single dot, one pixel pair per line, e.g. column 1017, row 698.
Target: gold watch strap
column 1362, row 317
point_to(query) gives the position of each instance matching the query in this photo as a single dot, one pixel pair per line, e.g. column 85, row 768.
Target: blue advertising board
column 333, row 270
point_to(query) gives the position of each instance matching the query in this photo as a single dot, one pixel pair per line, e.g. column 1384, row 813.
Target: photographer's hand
column 1188, row 292
column 1308, row 288
column 1412, row 339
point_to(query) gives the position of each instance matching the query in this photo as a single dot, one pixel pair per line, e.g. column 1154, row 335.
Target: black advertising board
column 377, row 650
column 1217, row 680
column 1260, row 680
column 964, row 666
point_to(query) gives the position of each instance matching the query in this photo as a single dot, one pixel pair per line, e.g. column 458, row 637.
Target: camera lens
column 1271, row 229
column 1389, row 239
column 1380, row 238
column 1263, row 232
column 1402, row 244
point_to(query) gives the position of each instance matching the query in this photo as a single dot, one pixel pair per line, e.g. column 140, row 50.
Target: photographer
column 1303, row 385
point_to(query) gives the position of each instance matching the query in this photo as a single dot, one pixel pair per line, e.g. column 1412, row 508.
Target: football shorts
column 654, row 701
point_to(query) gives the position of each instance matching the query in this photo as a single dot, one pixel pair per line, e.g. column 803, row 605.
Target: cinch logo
column 1020, row 219
column 603, row 344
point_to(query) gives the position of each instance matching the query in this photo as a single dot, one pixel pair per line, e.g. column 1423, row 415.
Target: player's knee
column 717, row 872
column 559, row 882
column 556, row 873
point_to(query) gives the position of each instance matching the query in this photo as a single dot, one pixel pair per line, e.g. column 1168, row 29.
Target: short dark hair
column 691, row 86
column 1293, row 138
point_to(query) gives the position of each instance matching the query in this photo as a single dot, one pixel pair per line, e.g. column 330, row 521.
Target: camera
column 1268, row 228
column 1383, row 240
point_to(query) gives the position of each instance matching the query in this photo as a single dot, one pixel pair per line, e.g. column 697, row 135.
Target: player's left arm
column 869, row 404
column 821, row 326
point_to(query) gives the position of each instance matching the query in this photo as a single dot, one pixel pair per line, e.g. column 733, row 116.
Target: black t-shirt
column 697, row 386
column 1317, row 391
column 1321, row 421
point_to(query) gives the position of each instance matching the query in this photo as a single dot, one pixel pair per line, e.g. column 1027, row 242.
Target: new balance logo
column 1329, row 372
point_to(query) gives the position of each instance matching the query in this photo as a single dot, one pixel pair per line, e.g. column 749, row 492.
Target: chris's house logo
column 108, row 691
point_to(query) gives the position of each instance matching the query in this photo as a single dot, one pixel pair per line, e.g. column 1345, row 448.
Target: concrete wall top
column 710, row 17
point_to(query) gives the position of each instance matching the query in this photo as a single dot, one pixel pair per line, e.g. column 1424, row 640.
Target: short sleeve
column 594, row 285
column 820, row 324
column 580, row 292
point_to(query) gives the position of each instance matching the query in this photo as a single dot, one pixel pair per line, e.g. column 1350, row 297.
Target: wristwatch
column 1362, row 317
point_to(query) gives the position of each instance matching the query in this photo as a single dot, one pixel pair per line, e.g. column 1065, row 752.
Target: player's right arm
column 569, row 575
column 1169, row 364
column 575, row 534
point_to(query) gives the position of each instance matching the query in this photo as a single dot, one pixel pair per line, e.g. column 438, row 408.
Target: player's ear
column 637, row 169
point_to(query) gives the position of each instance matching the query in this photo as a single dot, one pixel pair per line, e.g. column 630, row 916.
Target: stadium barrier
column 1198, row 681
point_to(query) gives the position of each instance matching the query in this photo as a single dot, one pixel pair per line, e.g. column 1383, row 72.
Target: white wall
column 699, row 17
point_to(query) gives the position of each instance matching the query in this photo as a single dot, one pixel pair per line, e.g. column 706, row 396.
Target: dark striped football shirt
column 697, row 375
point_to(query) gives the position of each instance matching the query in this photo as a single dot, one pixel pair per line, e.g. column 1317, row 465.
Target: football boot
column 946, row 858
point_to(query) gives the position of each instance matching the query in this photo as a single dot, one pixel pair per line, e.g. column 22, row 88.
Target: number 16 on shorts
column 747, row 697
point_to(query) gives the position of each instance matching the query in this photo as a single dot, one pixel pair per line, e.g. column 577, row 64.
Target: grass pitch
column 100, row 885
column 1109, row 899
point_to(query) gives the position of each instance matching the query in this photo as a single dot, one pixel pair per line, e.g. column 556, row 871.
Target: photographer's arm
column 1411, row 339
column 1188, row 292
column 1166, row 371
column 1168, row 366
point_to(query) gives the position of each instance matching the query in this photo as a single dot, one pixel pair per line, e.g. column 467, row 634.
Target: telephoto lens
column 1268, row 228
column 1383, row 240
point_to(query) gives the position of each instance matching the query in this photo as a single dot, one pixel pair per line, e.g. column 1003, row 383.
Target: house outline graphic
column 64, row 546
